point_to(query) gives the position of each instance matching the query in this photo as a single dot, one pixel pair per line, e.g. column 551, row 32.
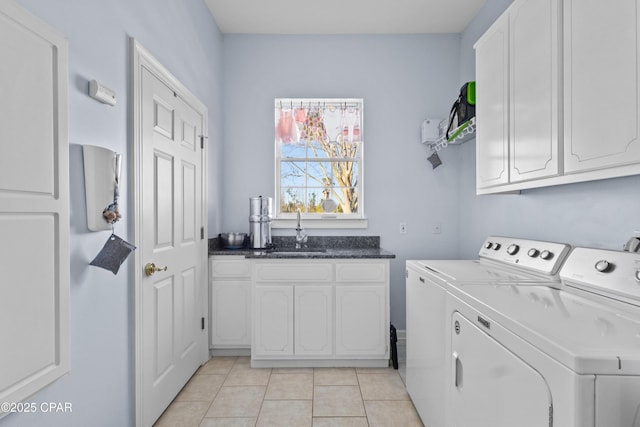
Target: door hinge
column 202, row 138
column 202, row 323
column 201, row 233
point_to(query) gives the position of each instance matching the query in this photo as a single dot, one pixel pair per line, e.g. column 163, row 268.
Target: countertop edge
column 337, row 253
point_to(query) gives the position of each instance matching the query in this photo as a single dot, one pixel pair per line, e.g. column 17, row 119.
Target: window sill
column 321, row 223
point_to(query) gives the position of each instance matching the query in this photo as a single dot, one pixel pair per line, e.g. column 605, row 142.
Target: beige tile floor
column 228, row 392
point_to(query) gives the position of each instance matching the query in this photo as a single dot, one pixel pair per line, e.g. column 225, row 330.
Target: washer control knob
column 513, row 249
column 488, row 245
column 603, row 266
column 533, row 252
column 638, row 275
column 546, row 255
column 496, row 246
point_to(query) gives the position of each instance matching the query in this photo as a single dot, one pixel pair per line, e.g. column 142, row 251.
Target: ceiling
column 343, row 16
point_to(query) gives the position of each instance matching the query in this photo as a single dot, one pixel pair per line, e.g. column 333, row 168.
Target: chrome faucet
column 301, row 236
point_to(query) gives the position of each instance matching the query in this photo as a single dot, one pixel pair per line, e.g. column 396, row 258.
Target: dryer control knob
column 638, row 275
column 546, row 255
column 488, row 245
column 603, row 266
column 513, row 249
column 496, row 246
column 533, row 252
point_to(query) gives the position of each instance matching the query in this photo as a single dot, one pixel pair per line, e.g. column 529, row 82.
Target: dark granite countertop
column 317, row 247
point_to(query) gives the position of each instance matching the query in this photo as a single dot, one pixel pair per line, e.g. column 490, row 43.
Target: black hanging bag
column 464, row 109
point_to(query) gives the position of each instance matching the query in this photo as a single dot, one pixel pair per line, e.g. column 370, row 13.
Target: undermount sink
column 297, row 250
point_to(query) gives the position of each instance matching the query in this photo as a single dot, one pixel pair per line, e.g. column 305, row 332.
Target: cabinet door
column 362, row 327
column 231, row 314
column 492, row 112
column 273, row 323
column 492, row 386
column 533, row 89
column 601, row 60
column 313, row 320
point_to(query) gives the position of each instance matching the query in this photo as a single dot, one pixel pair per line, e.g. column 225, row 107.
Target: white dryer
column 541, row 356
column 522, row 350
column 503, row 262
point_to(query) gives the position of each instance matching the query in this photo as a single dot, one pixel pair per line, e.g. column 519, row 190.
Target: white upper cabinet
column 492, row 112
column 533, row 90
column 571, row 112
column 517, row 73
column 601, row 84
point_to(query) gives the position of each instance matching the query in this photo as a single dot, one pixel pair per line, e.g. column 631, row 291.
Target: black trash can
column 394, row 346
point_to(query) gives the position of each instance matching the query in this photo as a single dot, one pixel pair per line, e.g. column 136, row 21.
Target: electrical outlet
column 436, row 228
column 403, row 228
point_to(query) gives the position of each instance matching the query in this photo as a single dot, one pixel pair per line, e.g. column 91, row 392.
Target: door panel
column 492, row 387
column 492, row 75
column 189, row 198
column 533, row 89
column 273, row 321
column 602, row 53
column 34, row 205
column 313, row 320
column 361, row 324
column 163, row 314
column 163, row 200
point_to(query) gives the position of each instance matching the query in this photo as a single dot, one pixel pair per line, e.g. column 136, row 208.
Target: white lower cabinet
column 230, row 281
column 320, row 313
column 273, row 331
column 362, row 328
column 313, row 323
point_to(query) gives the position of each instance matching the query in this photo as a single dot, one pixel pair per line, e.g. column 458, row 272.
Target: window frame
column 320, row 220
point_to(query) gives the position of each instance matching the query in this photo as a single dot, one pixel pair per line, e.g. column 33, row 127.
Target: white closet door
column 34, row 204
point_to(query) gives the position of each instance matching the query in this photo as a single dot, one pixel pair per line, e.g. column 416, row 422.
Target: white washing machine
column 537, row 355
column 503, row 261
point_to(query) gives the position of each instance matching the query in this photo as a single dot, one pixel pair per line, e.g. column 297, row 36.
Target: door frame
column 142, row 58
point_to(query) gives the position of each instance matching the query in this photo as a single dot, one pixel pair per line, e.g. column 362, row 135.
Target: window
column 318, row 145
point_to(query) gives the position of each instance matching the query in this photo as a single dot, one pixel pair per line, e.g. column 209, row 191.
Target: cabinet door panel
column 601, row 84
column 361, row 320
column 533, row 93
column 273, row 310
column 231, row 314
column 313, row 320
column 492, row 136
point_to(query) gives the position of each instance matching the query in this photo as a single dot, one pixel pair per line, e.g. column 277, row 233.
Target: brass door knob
column 151, row 268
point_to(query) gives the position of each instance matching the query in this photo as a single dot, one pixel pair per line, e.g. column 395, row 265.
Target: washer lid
column 585, row 332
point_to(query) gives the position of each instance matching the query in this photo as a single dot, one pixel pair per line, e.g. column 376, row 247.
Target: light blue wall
column 403, row 80
column 600, row 213
column 184, row 37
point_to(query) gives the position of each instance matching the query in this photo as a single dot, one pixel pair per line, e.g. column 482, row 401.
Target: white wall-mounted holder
column 101, row 93
column 430, row 130
column 101, row 178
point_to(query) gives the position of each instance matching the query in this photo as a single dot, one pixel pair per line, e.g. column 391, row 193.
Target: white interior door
column 172, row 338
